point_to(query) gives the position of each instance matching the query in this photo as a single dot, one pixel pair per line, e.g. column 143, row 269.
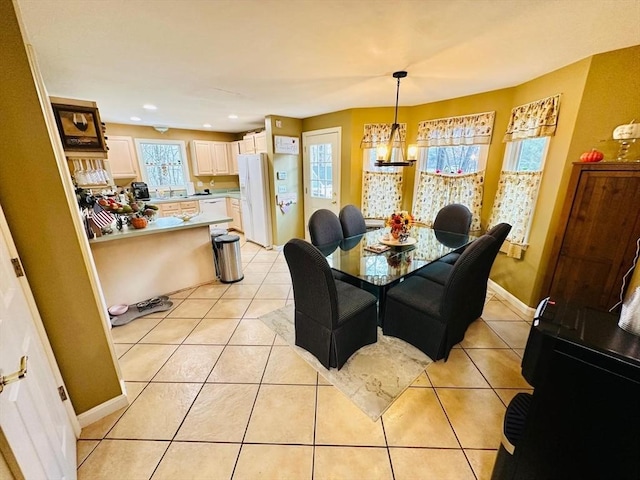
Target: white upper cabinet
column 233, row 150
column 254, row 143
column 209, row 158
column 122, row 157
column 247, row 145
column 260, row 140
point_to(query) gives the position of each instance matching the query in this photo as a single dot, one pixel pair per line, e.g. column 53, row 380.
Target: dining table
column 357, row 260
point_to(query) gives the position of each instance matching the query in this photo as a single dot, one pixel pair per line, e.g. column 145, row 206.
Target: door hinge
column 62, row 393
column 17, row 267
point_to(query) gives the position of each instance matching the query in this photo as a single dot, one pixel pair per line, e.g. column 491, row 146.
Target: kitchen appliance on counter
column 140, row 190
column 255, row 198
column 216, row 207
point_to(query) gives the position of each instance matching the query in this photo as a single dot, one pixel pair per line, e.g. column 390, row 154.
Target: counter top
column 161, row 225
column 192, row 198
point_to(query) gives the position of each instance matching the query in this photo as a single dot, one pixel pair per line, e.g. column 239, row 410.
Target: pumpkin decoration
column 592, row 156
column 139, row 222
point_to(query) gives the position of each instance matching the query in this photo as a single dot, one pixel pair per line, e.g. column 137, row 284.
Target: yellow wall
column 141, row 131
column 37, row 197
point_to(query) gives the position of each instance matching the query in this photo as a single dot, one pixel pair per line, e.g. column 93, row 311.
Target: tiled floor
column 214, row 394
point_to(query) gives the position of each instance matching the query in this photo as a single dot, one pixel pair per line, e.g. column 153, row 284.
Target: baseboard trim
column 512, row 300
column 102, row 410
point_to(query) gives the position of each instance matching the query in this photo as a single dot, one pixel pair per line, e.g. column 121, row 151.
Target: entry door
column 33, row 417
column 321, row 171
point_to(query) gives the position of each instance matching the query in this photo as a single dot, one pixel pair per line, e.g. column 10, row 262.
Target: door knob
column 15, row 376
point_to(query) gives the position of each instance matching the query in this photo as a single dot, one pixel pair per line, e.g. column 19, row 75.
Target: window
column 369, row 161
column 454, row 160
column 321, row 166
column 526, row 155
column 164, row 163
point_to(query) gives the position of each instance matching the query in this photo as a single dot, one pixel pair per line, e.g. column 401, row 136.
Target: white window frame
column 423, row 155
column 143, row 167
column 512, row 155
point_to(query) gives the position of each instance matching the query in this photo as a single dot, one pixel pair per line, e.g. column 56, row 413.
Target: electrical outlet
column 282, row 189
column 200, row 184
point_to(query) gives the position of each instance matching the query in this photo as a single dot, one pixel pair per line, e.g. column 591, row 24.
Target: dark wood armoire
column 596, row 242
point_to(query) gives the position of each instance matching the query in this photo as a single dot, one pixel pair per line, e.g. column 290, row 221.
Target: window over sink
column 163, row 163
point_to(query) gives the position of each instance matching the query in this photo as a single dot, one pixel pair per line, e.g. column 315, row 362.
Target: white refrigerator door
column 255, row 198
column 245, row 197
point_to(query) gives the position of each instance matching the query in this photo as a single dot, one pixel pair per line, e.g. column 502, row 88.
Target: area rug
column 373, row 378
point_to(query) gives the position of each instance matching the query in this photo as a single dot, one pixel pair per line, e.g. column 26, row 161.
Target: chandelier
column 385, row 146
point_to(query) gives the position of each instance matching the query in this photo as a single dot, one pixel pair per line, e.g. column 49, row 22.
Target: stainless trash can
column 226, row 249
column 216, row 232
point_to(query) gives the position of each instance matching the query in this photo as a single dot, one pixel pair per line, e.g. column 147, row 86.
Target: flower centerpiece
column 400, row 222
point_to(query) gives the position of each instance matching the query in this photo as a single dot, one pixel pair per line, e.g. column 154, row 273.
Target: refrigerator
column 255, row 199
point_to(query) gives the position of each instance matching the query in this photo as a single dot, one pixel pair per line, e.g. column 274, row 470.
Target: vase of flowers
column 400, row 222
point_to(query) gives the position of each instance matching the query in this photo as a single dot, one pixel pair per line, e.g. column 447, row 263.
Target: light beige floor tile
column 196, row 308
column 130, row 459
column 163, row 314
column 457, row 371
column 83, row 449
column 98, row 430
column 189, row 363
column 257, row 267
column 416, row 419
column 507, row 394
column 514, row 333
column 500, row 367
column 476, row 415
column 213, row 331
column 279, row 278
column 258, row 307
column 266, row 256
column 287, row 367
column 283, row 414
column 519, row 352
column 240, row 291
column 211, row 290
column 255, row 278
column 252, row 332
column 479, row 335
column 351, row 463
column 122, row 348
column 181, row 294
column 229, row 308
column 219, row 414
column 274, row 462
column 271, row 292
column 197, row 461
column 280, row 341
column 482, row 462
column 422, row 381
column 171, row 331
column 240, row 364
column 248, row 247
column 279, row 267
column 340, row 422
column 496, row 310
column 133, row 331
column 142, row 362
column 409, row 464
column 157, row 412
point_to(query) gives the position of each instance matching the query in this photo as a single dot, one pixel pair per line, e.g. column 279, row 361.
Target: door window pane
column 321, row 166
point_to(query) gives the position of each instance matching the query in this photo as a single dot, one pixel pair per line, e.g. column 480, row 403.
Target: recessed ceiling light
column 148, row 106
column 206, row 125
column 233, row 116
column 136, row 119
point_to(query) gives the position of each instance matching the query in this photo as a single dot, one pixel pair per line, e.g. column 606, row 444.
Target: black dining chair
column 325, row 228
column 352, row 221
column 439, row 270
column 454, row 218
column 434, row 317
column 333, row 319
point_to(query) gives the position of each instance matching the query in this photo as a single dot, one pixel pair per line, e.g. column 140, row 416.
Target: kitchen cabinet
column 233, row 210
column 260, row 141
column 254, row 143
column 122, row 157
column 173, row 208
column 209, row 158
column 247, row 145
column 596, row 241
column 233, row 150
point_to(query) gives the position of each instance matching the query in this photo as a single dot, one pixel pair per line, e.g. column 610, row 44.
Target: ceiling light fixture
column 148, row 106
column 206, row 125
column 384, row 151
column 233, row 116
column 161, row 128
column 136, row 119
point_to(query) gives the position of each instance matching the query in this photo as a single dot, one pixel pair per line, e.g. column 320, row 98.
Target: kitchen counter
column 192, row 198
column 160, row 225
column 164, row 257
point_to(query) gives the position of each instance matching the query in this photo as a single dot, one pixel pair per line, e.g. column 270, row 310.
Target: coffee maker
column 140, row 190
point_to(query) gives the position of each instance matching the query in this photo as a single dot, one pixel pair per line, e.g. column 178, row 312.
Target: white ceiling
column 200, row 60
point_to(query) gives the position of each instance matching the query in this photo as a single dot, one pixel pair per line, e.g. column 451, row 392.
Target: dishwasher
column 217, row 208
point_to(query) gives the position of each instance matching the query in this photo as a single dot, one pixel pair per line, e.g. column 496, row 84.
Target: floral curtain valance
column 381, row 194
column 535, row 119
column 376, row 134
column 464, row 130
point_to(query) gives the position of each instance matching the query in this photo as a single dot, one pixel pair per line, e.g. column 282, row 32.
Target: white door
column 33, row 417
column 321, row 171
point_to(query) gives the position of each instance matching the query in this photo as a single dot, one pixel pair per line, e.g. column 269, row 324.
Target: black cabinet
column 583, row 420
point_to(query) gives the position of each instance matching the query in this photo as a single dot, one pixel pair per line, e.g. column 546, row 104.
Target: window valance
column 535, row 119
column 463, row 130
column 376, row 134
